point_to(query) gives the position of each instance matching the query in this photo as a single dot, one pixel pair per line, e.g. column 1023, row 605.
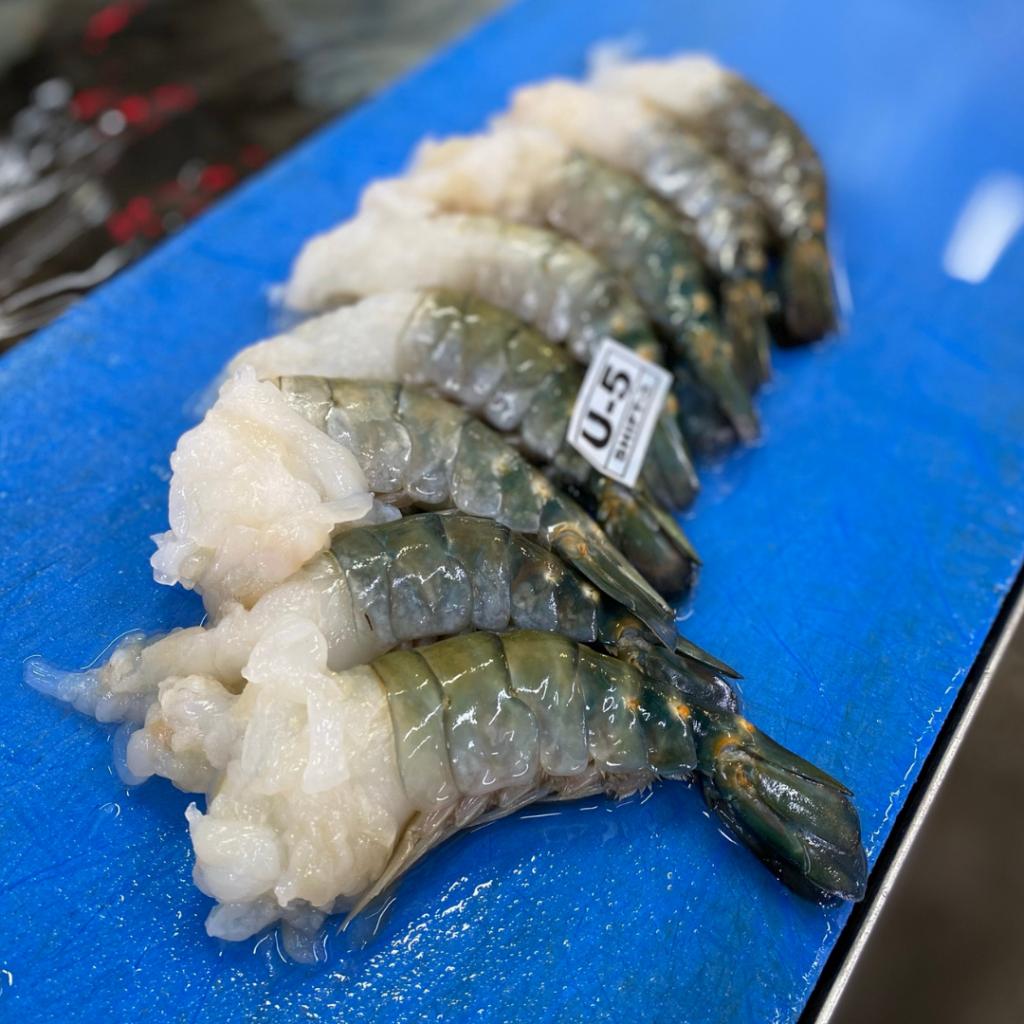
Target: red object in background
column 121, row 227
column 217, row 177
column 134, row 108
column 90, row 103
column 109, row 21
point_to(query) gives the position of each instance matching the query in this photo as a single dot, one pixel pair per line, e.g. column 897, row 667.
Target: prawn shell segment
column 666, row 722
column 498, row 367
column 548, row 596
column 491, row 479
column 615, row 735
column 483, row 548
column 545, row 677
column 406, row 583
column 416, row 701
column 491, row 736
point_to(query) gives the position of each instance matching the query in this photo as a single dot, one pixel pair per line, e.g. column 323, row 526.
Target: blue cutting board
column 854, row 562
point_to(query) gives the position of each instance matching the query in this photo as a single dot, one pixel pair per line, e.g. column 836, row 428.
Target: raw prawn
column 537, row 275
column 781, row 167
column 422, row 577
column 468, row 351
column 415, row 449
column 705, row 190
column 524, row 173
column 543, row 278
column 323, row 788
column 409, row 449
column 509, row 374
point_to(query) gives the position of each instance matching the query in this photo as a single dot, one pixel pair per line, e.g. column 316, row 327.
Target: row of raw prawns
column 330, row 765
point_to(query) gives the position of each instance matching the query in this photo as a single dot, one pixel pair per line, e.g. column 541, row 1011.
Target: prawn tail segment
column 668, row 469
column 486, row 723
column 715, row 365
column 743, row 316
column 705, row 427
column 695, row 674
column 648, row 536
column 569, row 532
column 807, row 295
column 797, row 819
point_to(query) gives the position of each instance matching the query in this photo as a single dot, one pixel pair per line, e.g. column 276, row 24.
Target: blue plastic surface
column 853, row 563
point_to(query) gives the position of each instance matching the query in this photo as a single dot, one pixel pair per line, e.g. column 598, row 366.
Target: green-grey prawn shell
column 709, row 197
column 525, row 173
column 509, row 374
column 706, row 429
column 441, row 574
column 418, row 450
column 433, row 575
column 776, row 159
column 726, row 220
column 785, row 172
column 486, row 723
column 522, row 705
column 782, row 168
column 795, row 817
column 536, row 274
column 632, row 230
column 648, row 536
column 730, row 229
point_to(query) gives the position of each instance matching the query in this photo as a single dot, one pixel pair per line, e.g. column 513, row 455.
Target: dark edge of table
column 854, row 937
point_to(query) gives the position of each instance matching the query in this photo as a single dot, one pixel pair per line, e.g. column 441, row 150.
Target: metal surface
column 854, row 563
column 858, row 929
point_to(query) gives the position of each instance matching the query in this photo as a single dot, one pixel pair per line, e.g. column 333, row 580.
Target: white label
column 616, row 411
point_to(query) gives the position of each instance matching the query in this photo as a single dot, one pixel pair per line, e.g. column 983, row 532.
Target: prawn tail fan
column 806, row 279
column 796, row 818
column 574, row 536
column 649, row 536
column 743, row 313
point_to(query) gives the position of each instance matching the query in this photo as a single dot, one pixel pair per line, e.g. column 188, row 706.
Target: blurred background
column 120, row 122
